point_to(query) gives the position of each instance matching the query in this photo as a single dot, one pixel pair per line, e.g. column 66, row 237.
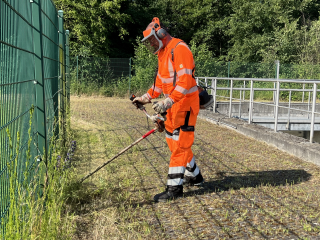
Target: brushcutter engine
column 206, row 100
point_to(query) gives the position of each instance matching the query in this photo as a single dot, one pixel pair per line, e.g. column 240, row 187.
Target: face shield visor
column 151, row 40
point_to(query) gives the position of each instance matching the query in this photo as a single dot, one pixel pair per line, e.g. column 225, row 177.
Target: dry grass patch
column 252, row 190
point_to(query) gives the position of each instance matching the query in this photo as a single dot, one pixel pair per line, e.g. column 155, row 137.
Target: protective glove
column 159, row 124
column 155, row 117
column 162, row 106
column 144, row 99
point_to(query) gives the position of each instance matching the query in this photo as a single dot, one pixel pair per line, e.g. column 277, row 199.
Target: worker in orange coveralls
column 175, row 79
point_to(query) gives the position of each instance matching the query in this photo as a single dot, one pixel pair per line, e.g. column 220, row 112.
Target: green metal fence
column 34, row 89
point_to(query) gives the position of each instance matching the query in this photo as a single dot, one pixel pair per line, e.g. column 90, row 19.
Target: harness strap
column 175, row 72
column 154, row 80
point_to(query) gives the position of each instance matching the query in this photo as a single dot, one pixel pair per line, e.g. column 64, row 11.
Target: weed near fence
column 34, row 101
column 37, row 209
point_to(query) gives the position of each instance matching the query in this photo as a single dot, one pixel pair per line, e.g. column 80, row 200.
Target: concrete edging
column 294, row 145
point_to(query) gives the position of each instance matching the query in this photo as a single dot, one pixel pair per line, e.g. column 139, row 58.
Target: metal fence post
column 214, row 83
column 230, row 105
column 129, row 76
column 288, row 121
column 77, row 75
column 314, row 99
column 228, row 74
column 67, row 70
column 62, row 75
column 277, row 107
column 39, row 78
column 303, row 87
column 309, row 96
column 251, row 103
column 277, row 62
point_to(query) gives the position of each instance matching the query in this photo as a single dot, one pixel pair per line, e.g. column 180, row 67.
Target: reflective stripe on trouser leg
column 192, row 170
column 181, row 154
column 175, row 176
column 180, row 137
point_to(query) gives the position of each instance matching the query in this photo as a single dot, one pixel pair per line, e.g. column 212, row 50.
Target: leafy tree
column 200, row 21
column 104, row 28
column 268, row 30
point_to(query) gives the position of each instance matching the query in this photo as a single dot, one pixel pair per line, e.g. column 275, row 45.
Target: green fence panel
column 30, row 83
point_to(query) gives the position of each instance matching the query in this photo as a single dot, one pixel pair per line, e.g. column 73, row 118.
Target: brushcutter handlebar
column 137, row 104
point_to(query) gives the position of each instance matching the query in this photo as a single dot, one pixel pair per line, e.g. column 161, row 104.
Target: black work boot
column 171, row 193
column 193, row 181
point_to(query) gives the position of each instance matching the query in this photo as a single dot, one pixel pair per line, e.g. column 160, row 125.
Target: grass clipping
column 251, row 190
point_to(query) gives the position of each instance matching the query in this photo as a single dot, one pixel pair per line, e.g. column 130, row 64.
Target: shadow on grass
column 236, row 181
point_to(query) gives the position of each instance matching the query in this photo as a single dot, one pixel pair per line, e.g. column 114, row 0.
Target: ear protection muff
column 161, row 33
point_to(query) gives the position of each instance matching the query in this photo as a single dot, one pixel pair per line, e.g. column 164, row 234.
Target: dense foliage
column 232, row 30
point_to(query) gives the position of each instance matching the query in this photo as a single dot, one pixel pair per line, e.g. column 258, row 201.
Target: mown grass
column 252, row 190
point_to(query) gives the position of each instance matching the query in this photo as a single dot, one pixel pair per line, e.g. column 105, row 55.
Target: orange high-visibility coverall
column 182, row 117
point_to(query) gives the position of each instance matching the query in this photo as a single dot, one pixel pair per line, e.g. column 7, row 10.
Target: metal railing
column 236, row 90
column 34, row 91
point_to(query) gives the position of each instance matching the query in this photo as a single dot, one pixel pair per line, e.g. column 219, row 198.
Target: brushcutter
column 159, row 128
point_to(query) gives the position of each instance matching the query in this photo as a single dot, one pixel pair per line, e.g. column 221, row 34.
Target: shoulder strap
column 172, row 57
column 154, row 79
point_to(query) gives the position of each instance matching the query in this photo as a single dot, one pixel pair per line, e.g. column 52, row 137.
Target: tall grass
column 37, row 202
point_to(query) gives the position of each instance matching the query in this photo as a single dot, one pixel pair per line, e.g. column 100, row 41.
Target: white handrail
column 212, row 83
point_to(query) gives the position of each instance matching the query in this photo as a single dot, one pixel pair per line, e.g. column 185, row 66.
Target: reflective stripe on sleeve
column 193, row 89
column 156, row 89
column 185, row 91
column 148, row 95
column 175, row 182
column 184, row 71
column 181, row 90
column 165, row 80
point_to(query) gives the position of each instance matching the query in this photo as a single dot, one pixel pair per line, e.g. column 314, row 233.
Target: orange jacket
column 185, row 93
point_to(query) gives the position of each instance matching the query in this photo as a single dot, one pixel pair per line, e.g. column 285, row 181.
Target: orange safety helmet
column 153, row 35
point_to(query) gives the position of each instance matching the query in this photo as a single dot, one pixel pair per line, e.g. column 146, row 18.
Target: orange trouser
column 180, row 127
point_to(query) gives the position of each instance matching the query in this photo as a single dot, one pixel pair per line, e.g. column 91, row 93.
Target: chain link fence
column 106, row 76
column 116, row 76
column 34, row 93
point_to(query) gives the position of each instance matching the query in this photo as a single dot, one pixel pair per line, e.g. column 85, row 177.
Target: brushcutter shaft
column 121, row 152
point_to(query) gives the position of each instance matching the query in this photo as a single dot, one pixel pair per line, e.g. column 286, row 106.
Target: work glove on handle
column 144, row 99
column 162, row 106
column 155, row 117
column 159, row 124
